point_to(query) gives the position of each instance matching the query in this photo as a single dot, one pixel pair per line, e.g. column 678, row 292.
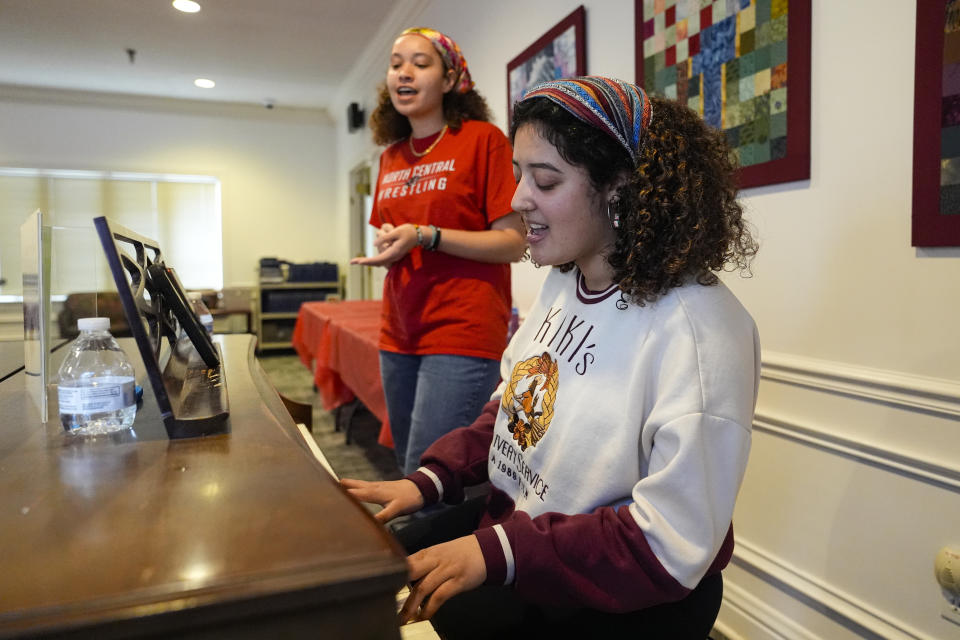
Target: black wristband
column 435, row 241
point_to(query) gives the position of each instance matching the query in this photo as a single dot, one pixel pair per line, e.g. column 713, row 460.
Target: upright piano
column 237, row 535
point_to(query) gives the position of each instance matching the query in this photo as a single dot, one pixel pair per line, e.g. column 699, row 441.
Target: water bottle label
column 105, row 394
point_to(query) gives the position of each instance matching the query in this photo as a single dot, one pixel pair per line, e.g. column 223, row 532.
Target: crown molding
column 158, row 104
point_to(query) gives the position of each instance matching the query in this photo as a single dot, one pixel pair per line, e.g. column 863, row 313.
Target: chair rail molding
column 811, row 591
column 918, row 393
column 744, row 616
column 912, row 466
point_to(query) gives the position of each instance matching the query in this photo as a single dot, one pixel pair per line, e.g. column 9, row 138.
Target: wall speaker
column 355, row 117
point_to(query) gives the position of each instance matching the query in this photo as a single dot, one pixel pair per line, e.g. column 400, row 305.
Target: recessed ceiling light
column 187, row 6
column 203, row 83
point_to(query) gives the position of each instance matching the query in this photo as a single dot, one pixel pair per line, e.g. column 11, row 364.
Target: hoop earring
column 526, row 257
column 615, row 216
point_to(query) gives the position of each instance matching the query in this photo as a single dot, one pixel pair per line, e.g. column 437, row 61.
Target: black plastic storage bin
column 285, row 301
column 312, row 272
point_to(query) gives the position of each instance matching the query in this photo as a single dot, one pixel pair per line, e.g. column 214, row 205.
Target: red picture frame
column 561, row 52
column 931, row 226
column 786, row 157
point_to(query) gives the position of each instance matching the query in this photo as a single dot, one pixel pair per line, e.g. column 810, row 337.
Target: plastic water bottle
column 206, row 318
column 96, row 390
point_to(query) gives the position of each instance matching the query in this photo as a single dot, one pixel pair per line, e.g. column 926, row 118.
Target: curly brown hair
column 389, row 126
column 679, row 215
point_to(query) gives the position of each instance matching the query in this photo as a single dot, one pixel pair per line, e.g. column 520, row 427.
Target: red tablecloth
column 339, row 341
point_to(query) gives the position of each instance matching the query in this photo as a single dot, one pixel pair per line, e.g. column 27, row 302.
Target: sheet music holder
column 184, row 368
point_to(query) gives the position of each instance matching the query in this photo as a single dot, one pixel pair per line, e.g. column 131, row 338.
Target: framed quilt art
column 559, row 53
column 936, row 125
column 744, row 66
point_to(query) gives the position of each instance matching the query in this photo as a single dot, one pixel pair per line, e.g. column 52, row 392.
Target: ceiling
column 292, row 52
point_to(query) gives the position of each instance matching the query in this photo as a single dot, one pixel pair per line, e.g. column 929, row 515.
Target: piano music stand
column 185, row 372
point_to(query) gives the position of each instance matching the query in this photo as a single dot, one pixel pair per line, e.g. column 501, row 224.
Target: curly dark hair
column 389, row 126
column 679, row 215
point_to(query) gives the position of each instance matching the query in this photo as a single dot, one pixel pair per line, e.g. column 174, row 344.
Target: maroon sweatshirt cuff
column 427, row 487
column 493, row 556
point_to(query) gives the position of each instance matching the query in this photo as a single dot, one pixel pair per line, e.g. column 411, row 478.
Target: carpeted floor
column 363, row 458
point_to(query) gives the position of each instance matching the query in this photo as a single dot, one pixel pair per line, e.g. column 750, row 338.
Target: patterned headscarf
column 451, row 54
column 620, row 109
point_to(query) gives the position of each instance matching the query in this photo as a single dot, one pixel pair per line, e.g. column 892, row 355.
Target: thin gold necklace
column 420, row 154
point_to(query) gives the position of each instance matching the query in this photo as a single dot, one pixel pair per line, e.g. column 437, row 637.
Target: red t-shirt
column 434, row 302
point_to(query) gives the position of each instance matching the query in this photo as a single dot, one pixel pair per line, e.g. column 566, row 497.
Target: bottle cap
column 93, row 324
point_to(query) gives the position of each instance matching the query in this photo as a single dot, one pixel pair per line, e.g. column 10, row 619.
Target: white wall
column 853, row 480
column 837, row 249
column 276, row 167
column 854, row 476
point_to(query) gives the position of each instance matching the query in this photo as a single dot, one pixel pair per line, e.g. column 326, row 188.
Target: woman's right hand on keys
column 397, row 497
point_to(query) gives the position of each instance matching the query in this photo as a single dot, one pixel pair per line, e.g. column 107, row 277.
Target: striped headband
column 449, row 52
column 620, row 109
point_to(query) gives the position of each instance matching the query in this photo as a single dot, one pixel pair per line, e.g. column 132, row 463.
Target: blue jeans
column 429, row 396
